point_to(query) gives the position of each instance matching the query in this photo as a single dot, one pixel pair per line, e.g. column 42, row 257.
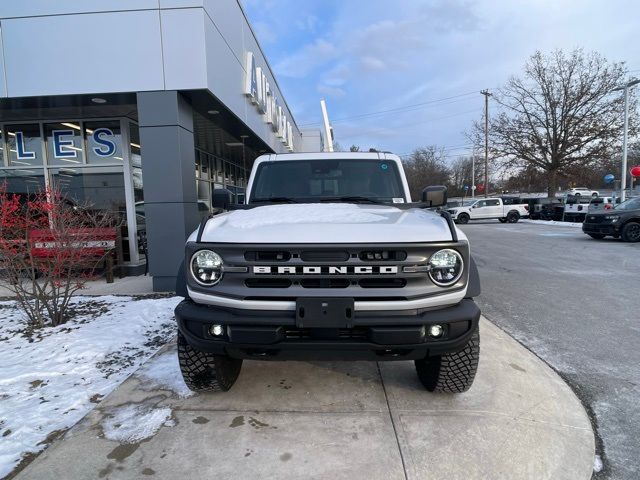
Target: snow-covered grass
column 553, row 223
column 50, row 380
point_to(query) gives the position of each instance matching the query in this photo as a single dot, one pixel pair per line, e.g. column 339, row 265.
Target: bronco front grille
column 366, row 272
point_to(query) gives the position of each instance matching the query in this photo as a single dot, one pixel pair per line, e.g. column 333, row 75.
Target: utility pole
column 623, row 176
column 486, row 141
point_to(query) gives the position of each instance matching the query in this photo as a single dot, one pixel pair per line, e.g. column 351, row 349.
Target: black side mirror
column 435, row 196
column 221, row 198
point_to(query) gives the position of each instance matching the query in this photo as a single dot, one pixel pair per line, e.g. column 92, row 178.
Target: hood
column 327, row 223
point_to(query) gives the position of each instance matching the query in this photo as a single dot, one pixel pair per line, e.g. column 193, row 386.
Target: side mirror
column 221, row 198
column 435, row 196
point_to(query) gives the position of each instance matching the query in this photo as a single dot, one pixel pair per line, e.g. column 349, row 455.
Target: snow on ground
column 552, row 222
column 134, row 423
column 163, row 372
column 49, row 381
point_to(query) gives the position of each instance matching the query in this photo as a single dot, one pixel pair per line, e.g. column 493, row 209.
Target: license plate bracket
column 333, row 312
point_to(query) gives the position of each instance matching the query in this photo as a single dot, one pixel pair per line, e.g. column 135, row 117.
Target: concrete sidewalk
column 339, row 420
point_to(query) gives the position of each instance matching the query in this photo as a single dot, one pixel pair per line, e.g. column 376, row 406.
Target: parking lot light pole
column 623, row 176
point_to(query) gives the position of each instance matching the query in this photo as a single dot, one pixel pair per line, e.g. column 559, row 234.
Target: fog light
column 216, row 330
column 436, row 331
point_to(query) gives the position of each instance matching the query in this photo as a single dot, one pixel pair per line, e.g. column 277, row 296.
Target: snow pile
column 307, row 213
column 552, row 222
column 134, row 423
column 164, row 372
column 50, row 381
column 597, row 464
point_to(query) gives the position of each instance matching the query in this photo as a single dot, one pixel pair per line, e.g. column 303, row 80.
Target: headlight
column 612, row 218
column 445, row 267
column 206, row 267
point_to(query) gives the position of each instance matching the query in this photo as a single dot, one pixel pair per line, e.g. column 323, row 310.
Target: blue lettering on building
column 63, row 147
column 106, row 147
column 21, row 151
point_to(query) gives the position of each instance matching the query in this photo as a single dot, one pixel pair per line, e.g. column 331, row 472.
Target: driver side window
column 482, row 203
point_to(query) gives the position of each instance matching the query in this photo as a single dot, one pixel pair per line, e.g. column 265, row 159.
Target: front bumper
column 273, row 335
column 601, row 228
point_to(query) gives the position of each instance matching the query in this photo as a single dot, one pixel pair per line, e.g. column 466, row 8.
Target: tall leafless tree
column 559, row 115
column 425, row 166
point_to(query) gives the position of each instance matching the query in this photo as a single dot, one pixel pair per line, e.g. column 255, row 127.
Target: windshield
column 326, row 180
column 631, row 204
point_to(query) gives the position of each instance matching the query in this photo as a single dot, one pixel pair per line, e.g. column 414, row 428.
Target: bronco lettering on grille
column 326, row 270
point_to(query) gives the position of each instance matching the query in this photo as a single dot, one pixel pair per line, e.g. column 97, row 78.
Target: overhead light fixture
column 98, row 100
column 213, row 112
column 71, row 125
column 233, row 144
column 244, row 136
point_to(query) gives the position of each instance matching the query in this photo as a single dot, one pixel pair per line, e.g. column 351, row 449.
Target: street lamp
column 623, row 177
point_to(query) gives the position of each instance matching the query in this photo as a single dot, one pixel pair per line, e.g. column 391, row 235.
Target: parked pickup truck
column 487, row 208
column 328, row 260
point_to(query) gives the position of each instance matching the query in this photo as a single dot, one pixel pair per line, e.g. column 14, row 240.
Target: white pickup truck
column 488, row 208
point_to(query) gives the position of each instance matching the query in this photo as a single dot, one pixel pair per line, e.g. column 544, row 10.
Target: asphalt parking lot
column 570, row 299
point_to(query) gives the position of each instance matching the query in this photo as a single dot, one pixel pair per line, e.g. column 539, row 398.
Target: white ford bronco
column 489, row 208
column 328, row 260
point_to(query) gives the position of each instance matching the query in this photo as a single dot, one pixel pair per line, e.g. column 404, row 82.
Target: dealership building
column 140, row 107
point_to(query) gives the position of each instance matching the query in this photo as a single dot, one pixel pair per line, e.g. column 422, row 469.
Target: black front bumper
column 601, row 228
column 273, row 335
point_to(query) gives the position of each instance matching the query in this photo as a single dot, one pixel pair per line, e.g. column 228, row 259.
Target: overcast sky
column 367, row 56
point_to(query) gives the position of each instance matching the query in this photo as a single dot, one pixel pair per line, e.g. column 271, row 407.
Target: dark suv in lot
column 623, row 221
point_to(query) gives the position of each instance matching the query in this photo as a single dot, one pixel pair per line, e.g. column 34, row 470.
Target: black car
column 622, row 221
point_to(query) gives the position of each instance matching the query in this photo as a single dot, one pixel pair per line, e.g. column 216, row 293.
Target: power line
column 414, row 123
column 394, row 110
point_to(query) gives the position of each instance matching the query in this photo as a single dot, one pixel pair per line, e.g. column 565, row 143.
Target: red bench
column 93, row 243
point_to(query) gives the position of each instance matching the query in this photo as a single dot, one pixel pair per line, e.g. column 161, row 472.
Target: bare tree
column 561, row 115
column 49, row 249
column 426, row 166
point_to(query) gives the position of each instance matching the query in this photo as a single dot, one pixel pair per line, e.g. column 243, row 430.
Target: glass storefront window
column 100, row 187
column 27, row 181
column 136, row 162
column 104, row 142
column 25, row 145
column 64, row 143
column 219, row 171
column 204, row 167
column 204, row 193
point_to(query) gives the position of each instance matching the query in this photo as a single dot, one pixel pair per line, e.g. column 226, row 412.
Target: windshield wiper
column 352, row 199
column 275, row 200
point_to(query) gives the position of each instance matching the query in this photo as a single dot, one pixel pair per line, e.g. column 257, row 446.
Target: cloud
column 335, row 92
column 307, row 59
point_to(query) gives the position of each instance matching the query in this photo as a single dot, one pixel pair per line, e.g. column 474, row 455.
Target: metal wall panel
column 180, row 3
column 229, row 20
column 225, row 75
column 76, row 54
column 3, row 86
column 30, row 8
column 183, row 44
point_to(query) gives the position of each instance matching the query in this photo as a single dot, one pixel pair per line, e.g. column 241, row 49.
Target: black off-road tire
column 206, row 372
column 502, row 220
column 452, row 372
column 631, row 232
column 597, row 236
column 513, row 217
column 463, row 218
